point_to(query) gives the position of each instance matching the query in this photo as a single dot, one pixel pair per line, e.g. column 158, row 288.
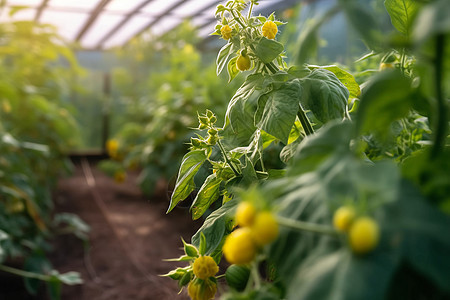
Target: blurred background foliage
column 37, row 131
column 157, row 92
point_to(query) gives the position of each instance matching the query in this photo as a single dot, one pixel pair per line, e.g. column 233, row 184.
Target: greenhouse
column 233, row 150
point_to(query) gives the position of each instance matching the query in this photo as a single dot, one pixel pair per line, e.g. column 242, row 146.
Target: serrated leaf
column 384, row 100
column 215, row 226
column 344, row 77
column 222, row 57
column 207, row 195
column 324, row 95
column 190, row 165
column 279, row 110
column 267, row 50
column 402, row 13
column 232, row 69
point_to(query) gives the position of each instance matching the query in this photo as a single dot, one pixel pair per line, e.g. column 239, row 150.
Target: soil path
column 130, row 236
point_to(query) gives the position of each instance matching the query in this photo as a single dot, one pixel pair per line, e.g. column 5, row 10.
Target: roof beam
column 121, row 23
column 169, row 10
column 40, row 10
column 158, row 17
column 93, row 16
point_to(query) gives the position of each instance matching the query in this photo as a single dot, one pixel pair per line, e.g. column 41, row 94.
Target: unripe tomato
column 364, row 235
column 237, row 276
column 343, row 217
column 202, row 289
column 243, row 62
column 265, row 228
column 269, row 29
column 205, row 267
column 245, row 214
column 239, row 247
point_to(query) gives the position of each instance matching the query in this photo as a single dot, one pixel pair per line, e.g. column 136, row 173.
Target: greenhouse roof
column 102, row 24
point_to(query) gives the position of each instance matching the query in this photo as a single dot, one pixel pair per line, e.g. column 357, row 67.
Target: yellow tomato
column 364, row 235
column 343, row 217
column 239, row 247
column 205, row 267
column 265, row 228
column 245, row 214
column 243, row 62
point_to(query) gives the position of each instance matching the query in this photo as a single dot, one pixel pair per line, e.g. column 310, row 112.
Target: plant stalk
column 441, row 109
column 224, row 153
column 305, row 121
column 23, row 273
column 306, row 226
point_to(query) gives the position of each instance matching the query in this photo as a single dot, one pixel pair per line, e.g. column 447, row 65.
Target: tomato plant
column 167, row 89
column 380, row 148
column 36, row 130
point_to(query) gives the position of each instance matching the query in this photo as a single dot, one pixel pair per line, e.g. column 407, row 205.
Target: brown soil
column 129, row 238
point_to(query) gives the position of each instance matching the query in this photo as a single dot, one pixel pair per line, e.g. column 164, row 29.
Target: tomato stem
column 224, row 153
column 305, row 121
column 306, row 226
column 23, row 273
column 441, row 109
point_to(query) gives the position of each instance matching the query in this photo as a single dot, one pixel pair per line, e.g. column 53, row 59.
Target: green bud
column 203, row 120
column 212, row 140
column 190, row 250
column 185, row 279
column 196, row 142
column 176, row 274
column 213, row 119
column 212, row 131
column 209, row 113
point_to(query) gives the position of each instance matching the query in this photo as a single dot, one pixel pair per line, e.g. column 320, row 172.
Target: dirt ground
column 129, row 238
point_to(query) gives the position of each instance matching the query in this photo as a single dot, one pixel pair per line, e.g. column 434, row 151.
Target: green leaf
column 208, row 193
column 333, row 137
column 433, row 19
column 308, row 40
column 176, row 274
column 386, row 98
column 222, row 57
column 341, row 275
column 214, row 227
column 267, row 50
column 232, row 69
column 422, row 229
column 344, row 77
column 70, row 278
column 202, row 246
column 54, row 286
column 189, row 249
column 36, row 263
column 324, row 95
column 279, row 110
column 402, row 13
column 190, row 164
column 364, row 22
column 241, row 109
